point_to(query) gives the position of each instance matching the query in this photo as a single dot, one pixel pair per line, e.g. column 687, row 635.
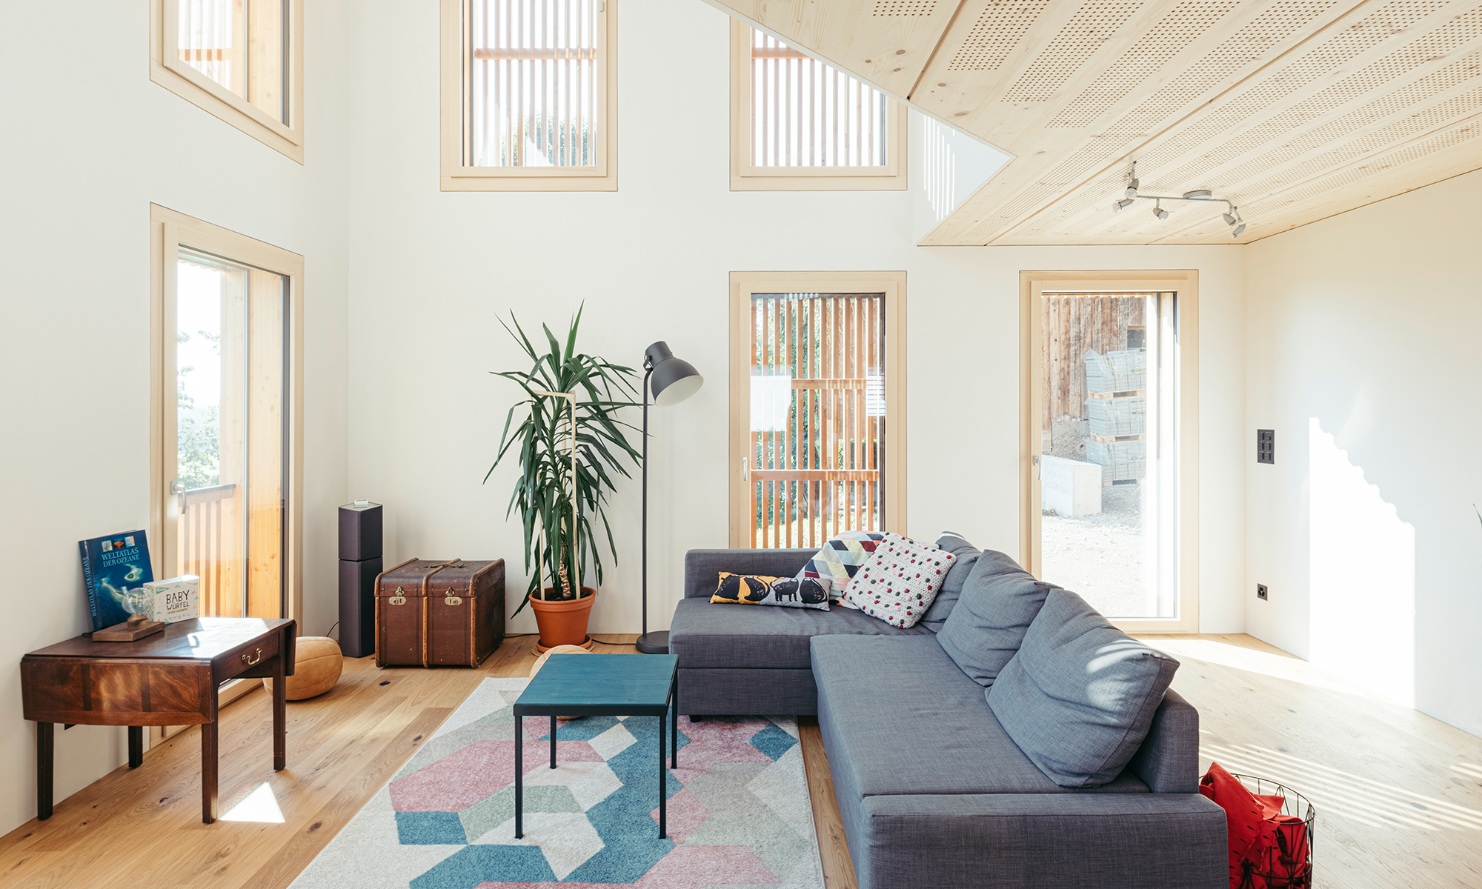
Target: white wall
column 88, row 142
column 431, row 273
column 1362, row 334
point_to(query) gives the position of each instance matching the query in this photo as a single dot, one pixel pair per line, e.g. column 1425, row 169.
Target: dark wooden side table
column 170, row 678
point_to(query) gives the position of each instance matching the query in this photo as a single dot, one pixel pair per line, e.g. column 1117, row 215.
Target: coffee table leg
column 136, row 746
column 208, row 772
column 674, row 725
column 553, row 742
column 663, row 778
column 519, row 774
column 45, row 735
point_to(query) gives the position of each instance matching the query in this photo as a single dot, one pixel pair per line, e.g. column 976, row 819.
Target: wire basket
column 1289, row 865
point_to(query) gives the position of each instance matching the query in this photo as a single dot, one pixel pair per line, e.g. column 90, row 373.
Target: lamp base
column 654, row 643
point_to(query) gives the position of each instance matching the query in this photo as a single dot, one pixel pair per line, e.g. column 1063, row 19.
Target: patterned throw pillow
column 900, row 582
column 840, row 559
column 759, row 589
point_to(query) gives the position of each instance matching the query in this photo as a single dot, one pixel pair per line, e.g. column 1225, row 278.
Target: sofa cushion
column 999, row 601
column 967, row 557
column 1080, row 695
column 900, row 582
column 900, row 719
column 764, row 589
column 706, row 635
column 840, row 559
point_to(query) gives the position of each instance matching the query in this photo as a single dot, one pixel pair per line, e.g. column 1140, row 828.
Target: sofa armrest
column 1168, row 760
column 998, row 841
column 702, row 567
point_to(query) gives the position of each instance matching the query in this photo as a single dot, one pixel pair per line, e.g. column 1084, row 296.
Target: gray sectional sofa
column 932, row 789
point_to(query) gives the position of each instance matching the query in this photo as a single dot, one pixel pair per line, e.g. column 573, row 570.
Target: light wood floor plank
column 1399, row 795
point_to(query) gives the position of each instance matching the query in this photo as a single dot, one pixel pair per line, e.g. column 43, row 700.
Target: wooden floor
column 1399, row 795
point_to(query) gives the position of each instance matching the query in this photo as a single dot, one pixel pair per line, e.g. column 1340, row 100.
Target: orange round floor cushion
column 317, row 668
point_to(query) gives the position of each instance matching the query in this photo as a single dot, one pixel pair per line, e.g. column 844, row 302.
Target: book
column 111, row 565
column 174, row 599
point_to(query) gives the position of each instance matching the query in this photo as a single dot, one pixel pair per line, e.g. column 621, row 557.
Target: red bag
column 1268, row 850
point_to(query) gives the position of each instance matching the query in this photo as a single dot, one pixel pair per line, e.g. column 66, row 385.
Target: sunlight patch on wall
column 1362, row 575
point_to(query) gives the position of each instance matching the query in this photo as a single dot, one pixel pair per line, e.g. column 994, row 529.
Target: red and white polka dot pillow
column 900, row 582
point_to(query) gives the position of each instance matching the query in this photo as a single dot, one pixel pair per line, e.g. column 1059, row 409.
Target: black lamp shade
column 673, row 379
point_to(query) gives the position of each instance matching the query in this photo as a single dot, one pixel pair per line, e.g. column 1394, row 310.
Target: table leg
column 663, row 778
column 553, row 742
column 280, row 735
column 208, row 772
column 45, row 734
column 674, row 725
column 136, row 746
column 519, row 774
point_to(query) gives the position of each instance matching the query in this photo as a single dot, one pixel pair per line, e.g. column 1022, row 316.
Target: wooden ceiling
column 1294, row 109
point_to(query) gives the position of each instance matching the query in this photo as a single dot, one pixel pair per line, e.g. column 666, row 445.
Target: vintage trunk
column 465, row 613
column 401, row 613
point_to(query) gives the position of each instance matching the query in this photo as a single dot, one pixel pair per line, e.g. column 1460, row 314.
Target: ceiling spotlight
column 1132, row 184
column 1229, row 220
column 1159, row 212
column 1123, row 204
column 1237, row 231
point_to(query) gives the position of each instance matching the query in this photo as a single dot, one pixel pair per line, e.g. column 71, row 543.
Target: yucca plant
column 559, row 533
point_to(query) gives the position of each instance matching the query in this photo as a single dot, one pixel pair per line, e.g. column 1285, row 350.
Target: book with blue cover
column 111, row 565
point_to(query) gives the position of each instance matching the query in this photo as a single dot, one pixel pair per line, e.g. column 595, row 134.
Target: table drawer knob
column 253, row 658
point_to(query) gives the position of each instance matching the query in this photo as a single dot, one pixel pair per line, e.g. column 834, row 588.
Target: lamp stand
column 656, row 642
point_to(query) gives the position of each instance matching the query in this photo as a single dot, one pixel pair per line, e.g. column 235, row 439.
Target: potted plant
column 569, row 444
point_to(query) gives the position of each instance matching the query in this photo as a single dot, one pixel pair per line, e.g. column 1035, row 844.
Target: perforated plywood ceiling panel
column 1294, row 109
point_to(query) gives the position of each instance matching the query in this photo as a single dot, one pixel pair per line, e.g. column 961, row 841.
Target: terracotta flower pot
column 563, row 621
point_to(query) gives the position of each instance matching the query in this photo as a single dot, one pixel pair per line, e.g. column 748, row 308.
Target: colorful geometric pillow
column 840, row 559
column 758, row 589
column 900, row 582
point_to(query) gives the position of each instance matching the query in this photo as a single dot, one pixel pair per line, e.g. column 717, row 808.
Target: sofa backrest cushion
column 985, row 628
column 967, row 557
column 1080, row 695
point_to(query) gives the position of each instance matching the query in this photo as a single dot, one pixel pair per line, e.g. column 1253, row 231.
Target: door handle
column 745, row 469
column 178, row 490
column 1036, row 467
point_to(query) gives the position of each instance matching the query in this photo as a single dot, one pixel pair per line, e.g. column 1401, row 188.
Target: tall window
column 528, row 95
column 241, row 60
column 817, row 406
column 228, row 381
column 799, row 124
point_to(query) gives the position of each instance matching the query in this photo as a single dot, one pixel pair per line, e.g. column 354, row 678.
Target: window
column 800, row 125
column 817, row 406
column 529, row 95
column 227, row 460
column 241, row 60
column 1111, row 440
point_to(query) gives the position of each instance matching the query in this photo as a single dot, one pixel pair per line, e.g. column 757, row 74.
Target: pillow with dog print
column 759, row 589
column 900, row 582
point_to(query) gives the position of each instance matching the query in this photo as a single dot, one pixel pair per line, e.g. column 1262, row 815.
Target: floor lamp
column 671, row 380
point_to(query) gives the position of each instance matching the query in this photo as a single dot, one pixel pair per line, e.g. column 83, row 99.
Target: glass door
column 227, row 471
column 1109, row 444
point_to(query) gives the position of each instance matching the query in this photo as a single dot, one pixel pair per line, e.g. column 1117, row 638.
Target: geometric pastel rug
column 738, row 810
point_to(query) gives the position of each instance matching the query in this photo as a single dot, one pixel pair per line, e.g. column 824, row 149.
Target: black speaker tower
column 360, row 563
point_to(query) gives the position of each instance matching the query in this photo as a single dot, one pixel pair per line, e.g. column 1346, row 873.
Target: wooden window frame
column 459, row 176
column 1032, row 287
column 166, row 69
column 743, row 286
column 746, row 176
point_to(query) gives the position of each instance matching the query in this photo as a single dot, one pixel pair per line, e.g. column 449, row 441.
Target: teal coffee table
column 601, row 685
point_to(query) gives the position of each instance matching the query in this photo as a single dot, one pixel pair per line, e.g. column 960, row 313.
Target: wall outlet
column 1261, row 591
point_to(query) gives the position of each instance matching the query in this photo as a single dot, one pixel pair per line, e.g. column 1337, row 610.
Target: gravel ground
column 1101, row 556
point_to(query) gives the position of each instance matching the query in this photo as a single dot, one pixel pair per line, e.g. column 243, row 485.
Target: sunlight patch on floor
column 260, row 807
column 1277, row 665
column 1342, row 793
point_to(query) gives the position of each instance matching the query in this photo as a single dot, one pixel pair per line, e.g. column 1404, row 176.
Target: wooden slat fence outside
column 210, row 547
column 1075, row 323
column 808, row 114
column 821, row 472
